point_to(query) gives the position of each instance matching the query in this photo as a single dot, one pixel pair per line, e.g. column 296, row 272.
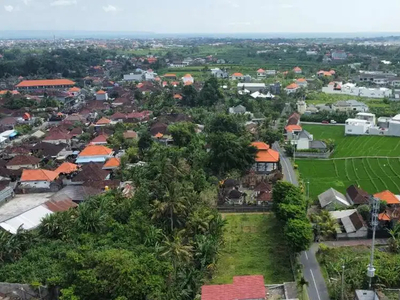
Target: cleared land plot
column 253, row 246
column 355, row 146
column 371, row 174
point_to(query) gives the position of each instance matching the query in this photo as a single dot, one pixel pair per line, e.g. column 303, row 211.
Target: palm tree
column 394, row 241
column 176, row 250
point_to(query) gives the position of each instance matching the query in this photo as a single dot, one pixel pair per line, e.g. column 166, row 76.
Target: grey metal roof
column 330, row 196
column 304, row 134
column 317, row 145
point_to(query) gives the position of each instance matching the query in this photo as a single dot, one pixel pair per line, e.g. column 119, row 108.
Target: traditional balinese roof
column 103, row 121
column 265, row 154
column 91, row 172
column 38, row 175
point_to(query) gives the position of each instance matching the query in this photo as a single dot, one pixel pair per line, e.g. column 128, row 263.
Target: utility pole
column 342, row 282
column 374, row 224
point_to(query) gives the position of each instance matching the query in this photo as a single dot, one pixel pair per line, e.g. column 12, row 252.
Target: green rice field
column 355, row 146
column 371, row 162
column 371, row 174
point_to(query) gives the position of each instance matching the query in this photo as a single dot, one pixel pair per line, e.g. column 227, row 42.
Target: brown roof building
column 356, row 195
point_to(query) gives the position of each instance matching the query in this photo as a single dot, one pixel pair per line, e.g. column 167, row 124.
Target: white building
column 218, row 73
column 101, row 95
column 187, row 79
column 292, row 88
column 261, row 73
column 352, row 89
column 302, row 82
column 357, row 127
column 38, row 178
column 351, row 224
column 301, row 106
column 350, row 105
column 270, row 72
column 237, row 76
column 251, row 87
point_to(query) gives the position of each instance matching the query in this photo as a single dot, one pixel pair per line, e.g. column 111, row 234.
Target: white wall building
column 352, row 89
column 357, row 127
column 187, row 79
column 251, row 87
column 101, row 96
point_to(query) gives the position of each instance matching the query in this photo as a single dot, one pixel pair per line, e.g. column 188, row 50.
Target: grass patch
column 253, row 246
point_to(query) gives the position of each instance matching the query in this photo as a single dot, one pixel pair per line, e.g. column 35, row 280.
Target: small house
column 388, row 197
column 23, row 162
column 351, row 224
column 267, row 160
column 332, row 199
column 356, row 196
column 39, row 178
column 94, row 153
column 237, row 76
column 101, row 95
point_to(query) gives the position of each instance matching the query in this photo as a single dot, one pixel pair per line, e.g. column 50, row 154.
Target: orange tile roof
column 170, row 75
column 112, row 162
column 95, row 150
column 291, row 128
column 301, row 80
column 103, row 121
column 178, row 96
column 159, row 135
column 383, row 217
column 388, row 197
column 45, row 82
column 265, row 154
column 38, row 175
column 260, row 71
column 296, row 69
column 292, row 86
column 260, row 145
column 74, row 89
column 187, row 76
column 66, row 168
column 101, row 92
column 3, row 92
column 237, row 74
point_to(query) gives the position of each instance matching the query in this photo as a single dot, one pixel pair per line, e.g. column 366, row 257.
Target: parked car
column 325, row 122
column 333, row 122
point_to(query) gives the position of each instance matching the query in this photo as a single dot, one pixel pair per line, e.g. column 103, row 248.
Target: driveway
column 316, row 289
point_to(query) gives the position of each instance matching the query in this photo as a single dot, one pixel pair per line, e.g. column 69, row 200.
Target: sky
column 202, row 16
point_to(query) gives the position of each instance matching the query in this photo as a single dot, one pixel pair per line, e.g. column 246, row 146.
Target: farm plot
column 371, row 174
column 355, row 146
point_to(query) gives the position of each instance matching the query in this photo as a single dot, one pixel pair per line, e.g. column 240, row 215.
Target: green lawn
column 253, row 246
column 355, row 146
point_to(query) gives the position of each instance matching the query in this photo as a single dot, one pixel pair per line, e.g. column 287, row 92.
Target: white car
column 333, row 122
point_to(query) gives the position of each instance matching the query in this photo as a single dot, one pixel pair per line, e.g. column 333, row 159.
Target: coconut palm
column 177, row 250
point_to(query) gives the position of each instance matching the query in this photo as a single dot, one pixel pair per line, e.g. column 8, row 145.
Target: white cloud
column 232, row 3
column 63, row 2
column 110, row 8
column 287, row 6
column 9, row 8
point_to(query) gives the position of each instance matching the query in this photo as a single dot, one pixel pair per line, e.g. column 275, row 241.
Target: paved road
column 316, row 289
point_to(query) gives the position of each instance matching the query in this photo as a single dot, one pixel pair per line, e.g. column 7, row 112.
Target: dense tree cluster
column 290, row 207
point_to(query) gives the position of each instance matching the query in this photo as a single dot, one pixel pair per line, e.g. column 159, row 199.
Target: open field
column 355, row 146
column 371, row 174
column 253, row 246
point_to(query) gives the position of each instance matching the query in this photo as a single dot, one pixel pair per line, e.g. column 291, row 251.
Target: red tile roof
column 103, row 121
column 66, row 168
column 296, row 69
column 57, row 134
column 62, row 205
column 260, row 145
column 100, row 139
column 101, row 92
column 170, row 75
column 243, row 287
column 301, row 80
column 38, row 175
column 260, row 71
column 74, row 89
column 187, row 76
column 48, row 82
column 237, row 74
column 95, row 150
column 388, row 197
column 178, row 96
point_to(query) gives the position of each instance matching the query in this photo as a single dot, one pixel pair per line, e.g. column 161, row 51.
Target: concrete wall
column 17, row 167
column 312, row 155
